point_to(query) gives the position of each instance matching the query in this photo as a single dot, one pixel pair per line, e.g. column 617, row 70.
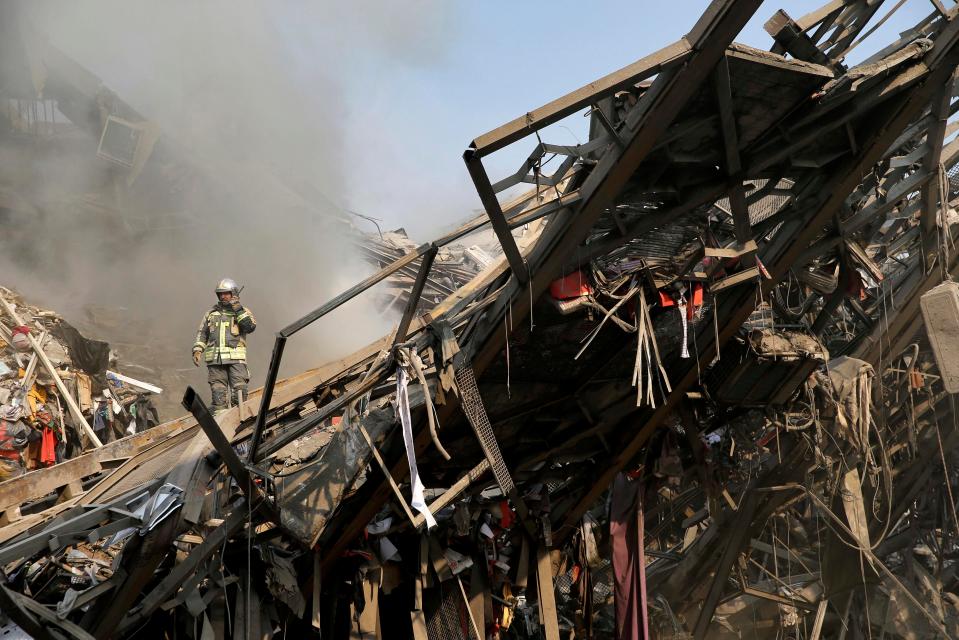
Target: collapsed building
column 693, row 397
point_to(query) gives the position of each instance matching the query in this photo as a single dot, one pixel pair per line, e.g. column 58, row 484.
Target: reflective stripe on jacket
column 222, row 335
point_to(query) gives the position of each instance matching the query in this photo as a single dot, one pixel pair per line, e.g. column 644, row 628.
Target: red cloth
column 24, row 329
column 574, row 285
column 48, row 447
column 666, row 300
column 507, row 518
column 629, row 561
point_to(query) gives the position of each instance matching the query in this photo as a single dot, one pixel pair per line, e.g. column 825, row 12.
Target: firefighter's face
column 226, row 296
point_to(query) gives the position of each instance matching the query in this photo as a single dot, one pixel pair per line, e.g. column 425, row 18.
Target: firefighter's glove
column 237, row 307
column 196, row 357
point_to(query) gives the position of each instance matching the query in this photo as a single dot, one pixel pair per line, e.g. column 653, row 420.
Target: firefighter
column 221, row 343
column 15, row 436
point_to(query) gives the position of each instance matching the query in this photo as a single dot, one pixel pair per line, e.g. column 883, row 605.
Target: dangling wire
column 646, row 351
column 716, row 325
column 249, row 556
column 506, row 322
column 529, row 286
column 942, row 229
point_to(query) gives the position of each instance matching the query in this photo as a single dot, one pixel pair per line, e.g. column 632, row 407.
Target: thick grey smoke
column 250, row 93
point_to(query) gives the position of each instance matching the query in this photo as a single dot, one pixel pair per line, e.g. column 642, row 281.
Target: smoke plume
column 249, row 94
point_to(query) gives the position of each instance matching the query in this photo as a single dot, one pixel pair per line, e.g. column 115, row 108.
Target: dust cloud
column 249, row 97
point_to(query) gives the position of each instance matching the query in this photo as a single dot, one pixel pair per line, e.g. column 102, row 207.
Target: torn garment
column 629, row 571
column 403, row 408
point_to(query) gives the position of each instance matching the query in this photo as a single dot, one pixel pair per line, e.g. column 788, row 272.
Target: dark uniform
column 222, row 339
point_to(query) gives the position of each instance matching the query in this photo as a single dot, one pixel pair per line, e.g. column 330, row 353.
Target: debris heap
column 60, row 392
column 693, row 398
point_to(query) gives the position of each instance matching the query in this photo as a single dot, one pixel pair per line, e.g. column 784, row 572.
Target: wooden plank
column 386, row 472
column 775, row 597
column 545, row 592
column 792, row 39
column 454, row 491
column 862, row 258
column 469, row 610
column 40, row 482
column 817, row 623
column 737, row 278
column 317, row 591
column 855, row 507
column 10, row 515
column 731, row 252
column 815, row 17
column 737, row 539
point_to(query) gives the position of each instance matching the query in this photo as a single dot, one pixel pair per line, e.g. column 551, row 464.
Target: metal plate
column 940, row 312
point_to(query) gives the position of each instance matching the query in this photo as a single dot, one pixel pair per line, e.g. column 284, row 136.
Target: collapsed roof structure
column 692, row 397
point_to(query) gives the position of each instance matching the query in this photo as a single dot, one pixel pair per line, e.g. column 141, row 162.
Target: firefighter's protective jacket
column 222, row 334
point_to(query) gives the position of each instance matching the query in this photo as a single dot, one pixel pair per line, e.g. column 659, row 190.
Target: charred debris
column 704, row 392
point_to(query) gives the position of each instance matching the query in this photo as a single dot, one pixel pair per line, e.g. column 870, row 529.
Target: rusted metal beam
column 790, row 242
column 474, row 164
column 650, row 120
column 734, row 545
column 666, row 58
column 201, row 553
column 793, row 40
column 415, row 293
column 737, row 193
column 644, row 126
column 287, row 331
column 930, row 164
column 195, row 405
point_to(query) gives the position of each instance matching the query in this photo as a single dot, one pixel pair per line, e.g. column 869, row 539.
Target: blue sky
column 499, row 60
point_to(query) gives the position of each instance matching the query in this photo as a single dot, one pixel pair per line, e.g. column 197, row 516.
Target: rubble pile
column 454, row 265
column 704, row 391
column 60, row 392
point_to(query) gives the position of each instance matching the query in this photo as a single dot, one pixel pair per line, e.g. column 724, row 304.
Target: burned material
column 693, row 398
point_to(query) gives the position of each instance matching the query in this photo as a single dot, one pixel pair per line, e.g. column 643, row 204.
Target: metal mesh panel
column 602, row 583
column 475, row 412
column 451, row 619
column 158, row 467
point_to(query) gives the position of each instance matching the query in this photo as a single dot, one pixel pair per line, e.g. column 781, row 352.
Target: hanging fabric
column 684, row 346
column 647, row 350
column 629, row 567
column 48, row 447
column 403, row 408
